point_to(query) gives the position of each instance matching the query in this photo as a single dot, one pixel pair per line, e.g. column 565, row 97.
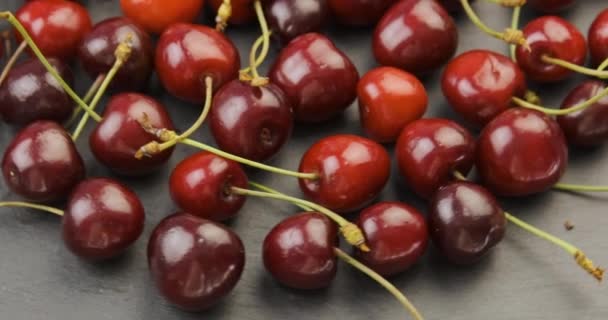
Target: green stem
column 509, row 35
column 579, row 188
column 11, row 61
column 259, row 60
column 20, row 204
column 602, row 74
column 271, row 190
column 87, row 97
column 256, row 79
column 561, row 112
column 603, row 66
column 514, row 26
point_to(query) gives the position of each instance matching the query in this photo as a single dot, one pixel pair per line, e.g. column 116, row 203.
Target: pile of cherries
column 195, row 260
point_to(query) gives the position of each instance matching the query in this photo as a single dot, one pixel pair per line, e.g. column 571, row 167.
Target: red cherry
column 556, row 38
column 186, row 54
column 242, row 10
column 359, row 12
column 389, row 99
column 598, row 38
column 318, row 78
column 479, row 84
column 550, row 6
column 428, row 152
column 289, row 18
column 521, row 152
column 157, row 15
column 352, row 172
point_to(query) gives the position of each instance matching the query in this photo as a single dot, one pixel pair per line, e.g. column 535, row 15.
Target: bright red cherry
column 521, row 152
column 186, row 54
column 289, row 18
column 418, row 36
column 396, row 234
column 359, row 12
column 102, row 219
column 598, row 38
column 56, row 26
column 242, row 10
column 119, row 135
column 200, row 184
column 556, row 38
column 588, row 127
column 428, row 152
column 318, row 78
column 41, row 163
column 389, row 99
column 550, row 6
column 194, row 262
column 352, row 172
column 157, row 15
column 479, row 84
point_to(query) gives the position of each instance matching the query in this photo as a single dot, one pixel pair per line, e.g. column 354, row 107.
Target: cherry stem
column 514, row 26
column 510, row 35
column 20, row 204
column 271, row 190
column 601, row 74
column 579, row 188
column 6, row 35
column 509, row 3
column 257, row 80
column 603, row 66
column 351, row 233
column 562, row 112
column 244, row 73
column 223, row 14
column 11, row 61
column 87, row 97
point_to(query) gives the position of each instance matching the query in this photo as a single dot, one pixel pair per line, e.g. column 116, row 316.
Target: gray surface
column 524, row 278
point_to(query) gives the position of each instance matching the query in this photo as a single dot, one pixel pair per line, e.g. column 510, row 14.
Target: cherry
column 465, row 222
column 251, row 122
column 289, row 19
column 351, row 171
column 194, row 262
column 389, row 99
column 415, row 35
column 30, row 93
column 157, row 15
column 102, row 219
column 186, row 54
column 598, row 38
column 318, row 78
column 201, row 183
column 359, row 12
column 119, row 135
column 479, row 84
column 429, row 150
column 397, row 236
column 553, row 37
column 42, row 163
column 56, row 26
column 96, row 53
column 242, row 10
column 521, row 152
column 550, row 6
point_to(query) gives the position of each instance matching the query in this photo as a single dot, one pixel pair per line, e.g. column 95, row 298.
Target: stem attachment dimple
column 40, row 207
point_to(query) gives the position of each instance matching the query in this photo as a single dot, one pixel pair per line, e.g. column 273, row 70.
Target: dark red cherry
column 318, row 78
column 352, row 172
column 389, row 99
column 359, row 12
column 299, row 251
column 30, row 93
column 289, row 18
column 465, row 222
column 242, row 10
column 453, row 6
column 200, row 185
column 598, row 38
column 186, row 54
column 194, row 262
column 588, row 127
column 556, row 38
column 96, row 53
column 103, row 218
column 251, row 122
column 56, row 26
column 396, row 234
column 119, row 135
column 41, row 163
column 428, row 152
column 521, row 152
column 550, row 6
column 479, row 85
column 417, row 36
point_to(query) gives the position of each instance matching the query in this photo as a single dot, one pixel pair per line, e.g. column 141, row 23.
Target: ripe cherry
column 318, row 78
column 429, row 150
column 194, row 262
column 550, row 6
column 521, row 152
column 242, row 10
column 157, row 15
column 598, row 38
column 417, row 36
column 479, row 84
column 290, row 19
column 359, row 12
column 389, row 99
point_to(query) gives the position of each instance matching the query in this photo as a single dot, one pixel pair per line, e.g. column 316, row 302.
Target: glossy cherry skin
column 186, row 54
column 56, row 26
column 389, row 99
column 318, row 78
column 479, row 85
column 589, row 127
column 242, row 10
column 428, row 152
column 200, row 185
column 194, row 262
column 102, row 219
column 417, row 36
column 96, row 53
column 42, row 164
column 155, row 16
column 119, row 135
column 289, row 19
column 251, row 122
column 550, row 6
column 352, row 172
column 359, row 12
column 465, row 222
column 598, row 38
column 556, row 38
column 299, row 251
column 30, row 93
column 521, row 152
column 396, row 234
